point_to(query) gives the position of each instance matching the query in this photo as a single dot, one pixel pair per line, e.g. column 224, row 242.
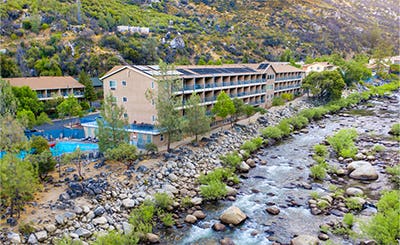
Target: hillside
column 51, row 37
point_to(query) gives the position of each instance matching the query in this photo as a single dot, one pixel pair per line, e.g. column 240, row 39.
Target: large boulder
column 233, row 215
column 14, row 238
column 226, row 241
column 128, row 203
column 41, row 236
column 273, row 210
column 99, row 221
column 244, row 168
column 191, row 219
column 81, row 232
column 199, row 214
column 304, row 240
column 152, row 238
column 362, row 170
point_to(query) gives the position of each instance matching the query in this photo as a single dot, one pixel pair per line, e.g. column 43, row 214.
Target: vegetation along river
column 284, row 182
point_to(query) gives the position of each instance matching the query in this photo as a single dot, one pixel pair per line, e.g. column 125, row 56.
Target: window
column 152, row 102
column 161, row 137
column 153, row 118
column 124, row 99
column 113, row 85
column 152, row 84
column 125, row 115
column 124, row 83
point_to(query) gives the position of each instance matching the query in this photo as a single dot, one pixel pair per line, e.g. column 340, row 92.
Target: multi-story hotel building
column 255, row 84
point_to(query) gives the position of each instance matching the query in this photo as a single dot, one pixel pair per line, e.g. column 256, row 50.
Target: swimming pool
column 70, row 146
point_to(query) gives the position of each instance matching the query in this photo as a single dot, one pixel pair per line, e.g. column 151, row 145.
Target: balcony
column 279, row 88
column 288, row 78
column 187, row 88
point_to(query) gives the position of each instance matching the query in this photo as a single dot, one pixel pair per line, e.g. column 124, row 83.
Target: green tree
column 70, row 107
column 46, row 67
column 76, row 158
column 196, row 121
column 42, row 119
column 8, row 67
column 326, row 85
column 18, row 182
column 169, row 120
column 39, row 144
column 239, row 108
column 224, row 106
column 355, row 72
column 26, row 118
column 125, row 153
column 28, row 100
column 12, row 137
column 8, row 101
column 43, row 162
column 90, row 94
column 111, row 126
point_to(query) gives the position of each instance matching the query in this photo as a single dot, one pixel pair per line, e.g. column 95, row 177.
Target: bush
column 343, row 142
column 318, row 172
column 353, row 204
column 258, row 141
column 219, row 174
column 116, row 238
column 67, row 241
column 186, row 202
column 348, row 220
column 319, row 112
column 249, row 146
column 151, row 148
column 141, row 218
column 395, row 172
column 321, row 150
column 231, row 159
column 26, row 228
column 167, row 219
column 272, row 132
column 395, row 129
column 298, row 122
column 162, row 200
column 378, row 148
column 277, row 101
column 214, row 190
column 384, row 225
column 285, row 127
column 308, row 113
column 287, row 96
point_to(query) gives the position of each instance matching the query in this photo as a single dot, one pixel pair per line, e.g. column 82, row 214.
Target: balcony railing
column 287, row 78
column 287, row 87
column 221, row 84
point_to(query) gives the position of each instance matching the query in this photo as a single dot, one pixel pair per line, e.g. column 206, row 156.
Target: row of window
column 113, row 84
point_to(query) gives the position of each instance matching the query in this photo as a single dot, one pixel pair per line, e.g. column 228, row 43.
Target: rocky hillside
column 51, row 37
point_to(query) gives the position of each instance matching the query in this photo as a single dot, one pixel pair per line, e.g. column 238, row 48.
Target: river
column 280, row 183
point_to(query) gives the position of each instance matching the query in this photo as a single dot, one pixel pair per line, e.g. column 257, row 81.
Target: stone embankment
column 110, row 198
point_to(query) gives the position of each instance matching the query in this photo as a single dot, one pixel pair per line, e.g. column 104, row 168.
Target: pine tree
column 90, row 94
column 196, row 120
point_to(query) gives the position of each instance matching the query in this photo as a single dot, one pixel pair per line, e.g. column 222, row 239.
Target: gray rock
column 99, row 221
column 273, row 210
column 191, row 219
column 219, row 227
column 231, row 191
column 126, row 227
column 244, row 168
column 14, row 238
column 197, row 201
column 171, row 189
column 233, row 215
column 152, row 238
column 226, row 241
column 78, row 210
column 60, row 219
column 304, row 240
column 323, row 236
column 251, row 163
column 128, row 203
column 41, row 236
column 81, row 232
column 362, row 170
column 50, row 228
column 199, row 214
column 172, row 177
column 352, row 191
column 100, row 210
column 32, row 239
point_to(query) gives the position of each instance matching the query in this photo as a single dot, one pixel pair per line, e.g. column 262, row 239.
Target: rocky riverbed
column 274, row 195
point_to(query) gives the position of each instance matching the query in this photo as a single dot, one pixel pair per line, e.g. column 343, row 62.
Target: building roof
column 40, row 83
column 281, row 67
column 96, row 82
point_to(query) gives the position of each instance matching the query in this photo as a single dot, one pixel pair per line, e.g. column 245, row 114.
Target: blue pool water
column 67, row 147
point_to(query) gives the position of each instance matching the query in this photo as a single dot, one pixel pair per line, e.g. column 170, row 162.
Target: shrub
column 314, row 195
column 261, row 110
column 162, row 200
column 272, row 132
column 342, row 142
column 384, row 225
column 258, row 141
column 353, row 203
column 151, row 148
column 248, row 146
column 219, row 174
column 319, row 112
column 395, row 172
column 395, row 129
column 298, row 122
column 141, row 218
column 231, row 159
column 167, row 219
column 67, row 241
column 348, row 220
column 116, row 238
column 214, row 190
column 186, row 202
column 308, row 113
column 318, row 172
column 26, row 228
column 287, row 96
column 277, row 101
column 378, row 148
column 321, row 150
column 285, row 127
